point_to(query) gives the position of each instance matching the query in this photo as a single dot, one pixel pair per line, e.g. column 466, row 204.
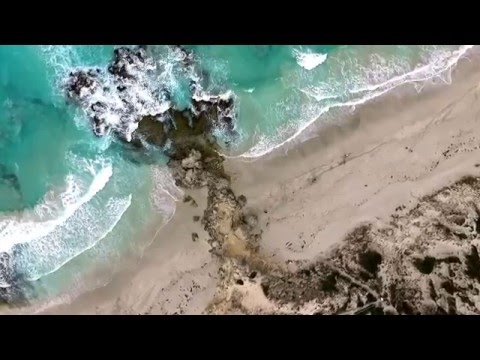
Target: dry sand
column 387, row 155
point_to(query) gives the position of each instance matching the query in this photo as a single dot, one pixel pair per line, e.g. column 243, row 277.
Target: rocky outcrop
column 117, row 99
column 13, row 287
column 232, row 231
column 129, row 101
column 125, row 61
column 220, row 109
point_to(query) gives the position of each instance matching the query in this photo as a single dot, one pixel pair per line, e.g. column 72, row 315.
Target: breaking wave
column 348, row 83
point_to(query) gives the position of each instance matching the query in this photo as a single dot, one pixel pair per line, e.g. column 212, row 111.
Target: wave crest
column 309, row 60
column 57, row 206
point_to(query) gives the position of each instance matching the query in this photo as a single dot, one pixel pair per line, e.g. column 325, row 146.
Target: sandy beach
column 373, row 170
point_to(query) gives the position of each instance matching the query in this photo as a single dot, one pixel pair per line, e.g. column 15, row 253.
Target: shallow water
column 70, row 201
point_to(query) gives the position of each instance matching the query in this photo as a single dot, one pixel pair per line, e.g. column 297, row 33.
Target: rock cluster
column 117, row 99
column 130, row 100
column 13, row 287
column 189, row 172
column 231, row 229
column 187, row 137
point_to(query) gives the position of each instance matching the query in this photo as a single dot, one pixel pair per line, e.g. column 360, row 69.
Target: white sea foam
column 61, row 59
column 118, row 103
column 309, row 60
column 440, row 65
column 120, row 110
column 56, row 207
column 81, row 232
column 75, row 218
column 201, row 95
column 164, row 183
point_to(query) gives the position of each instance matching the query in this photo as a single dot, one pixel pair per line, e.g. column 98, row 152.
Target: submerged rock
column 10, row 179
column 81, row 83
column 13, row 287
column 219, row 109
column 125, row 60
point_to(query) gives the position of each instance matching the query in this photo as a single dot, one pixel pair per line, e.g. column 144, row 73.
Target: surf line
column 414, row 76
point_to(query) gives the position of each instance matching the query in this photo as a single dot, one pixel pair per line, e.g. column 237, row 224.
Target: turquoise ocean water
column 71, row 202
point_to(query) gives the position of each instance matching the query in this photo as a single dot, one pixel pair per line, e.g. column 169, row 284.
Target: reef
column 129, row 101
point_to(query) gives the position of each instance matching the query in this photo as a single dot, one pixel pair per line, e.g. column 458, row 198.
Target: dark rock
column 129, row 65
column 123, row 57
column 252, row 275
column 448, row 286
column 78, row 81
column 441, row 311
column 370, row 261
column 466, row 300
column 376, row 310
column 450, row 260
column 433, row 292
column 188, row 57
column 239, row 282
column 473, row 263
column 219, row 109
column 150, row 130
column 194, row 236
column 305, row 272
column 196, row 218
column 426, row 265
column 265, row 289
column 329, row 283
column 405, row 308
column 242, row 200
column 15, row 287
column 452, row 306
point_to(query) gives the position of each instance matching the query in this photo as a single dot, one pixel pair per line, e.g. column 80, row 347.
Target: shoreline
column 312, row 189
column 398, row 81
column 387, row 119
